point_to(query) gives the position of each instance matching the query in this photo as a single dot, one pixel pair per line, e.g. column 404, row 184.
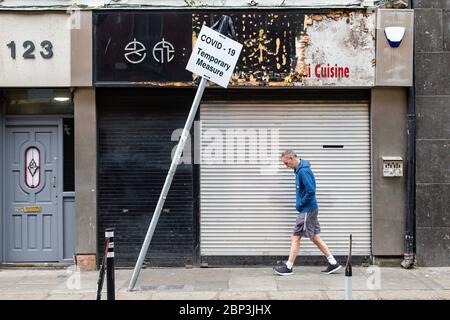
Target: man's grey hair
column 288, row 153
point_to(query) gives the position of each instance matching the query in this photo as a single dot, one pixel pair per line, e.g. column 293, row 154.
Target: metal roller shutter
column 134, row 146
column 246, row 210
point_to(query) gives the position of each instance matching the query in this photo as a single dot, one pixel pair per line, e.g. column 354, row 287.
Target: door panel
column 32, row 158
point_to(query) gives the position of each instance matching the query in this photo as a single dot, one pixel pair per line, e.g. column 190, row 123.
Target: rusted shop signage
column 329, row 48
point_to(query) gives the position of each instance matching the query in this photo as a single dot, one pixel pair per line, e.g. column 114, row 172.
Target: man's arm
column 309, row 186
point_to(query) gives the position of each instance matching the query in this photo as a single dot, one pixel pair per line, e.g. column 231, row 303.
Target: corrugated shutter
column 248, row 210
column 134, row 146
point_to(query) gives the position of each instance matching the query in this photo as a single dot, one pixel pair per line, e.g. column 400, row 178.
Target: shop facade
column 322, row 82
column 305, row 81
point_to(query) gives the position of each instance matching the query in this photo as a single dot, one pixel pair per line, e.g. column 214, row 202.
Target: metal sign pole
column 167, row 183
column 224, row 26
column 348, row 274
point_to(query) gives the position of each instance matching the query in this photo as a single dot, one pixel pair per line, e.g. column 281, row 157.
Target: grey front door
column 31, row 194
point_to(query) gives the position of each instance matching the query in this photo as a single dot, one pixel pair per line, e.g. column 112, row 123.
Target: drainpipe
column 408, row 258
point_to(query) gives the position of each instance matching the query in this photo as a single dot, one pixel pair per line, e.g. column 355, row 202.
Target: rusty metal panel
column 395, row 65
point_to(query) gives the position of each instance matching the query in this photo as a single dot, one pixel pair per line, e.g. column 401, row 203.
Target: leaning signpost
column 213, row 58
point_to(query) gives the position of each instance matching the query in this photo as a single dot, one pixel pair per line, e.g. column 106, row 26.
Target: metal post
column 110, row 287
column 408, row 257
column 225, row 26
column 348, row 274
column 101, row 276
column 167, row 183
column 408, row 260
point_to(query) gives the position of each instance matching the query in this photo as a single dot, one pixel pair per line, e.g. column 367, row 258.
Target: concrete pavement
column 372, row 283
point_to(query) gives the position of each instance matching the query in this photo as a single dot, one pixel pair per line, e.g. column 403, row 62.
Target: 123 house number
column 46, row 51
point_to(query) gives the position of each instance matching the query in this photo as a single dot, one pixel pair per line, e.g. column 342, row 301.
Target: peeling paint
column 268, row 50
column 336, row 15
column 194, row 40
column 351, row 52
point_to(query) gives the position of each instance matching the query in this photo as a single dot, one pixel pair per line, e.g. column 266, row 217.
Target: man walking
column 307, row 223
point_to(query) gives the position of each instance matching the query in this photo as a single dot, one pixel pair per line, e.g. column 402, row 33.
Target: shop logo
column 163, row 51
column 136, row 52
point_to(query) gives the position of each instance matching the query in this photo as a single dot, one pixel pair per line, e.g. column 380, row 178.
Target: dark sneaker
column 283, row 270
column 332, row 268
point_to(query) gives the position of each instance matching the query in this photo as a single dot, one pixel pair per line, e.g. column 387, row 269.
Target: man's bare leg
column 333, row 265
column 321, row 245
column 287, row 269
column 295, row 246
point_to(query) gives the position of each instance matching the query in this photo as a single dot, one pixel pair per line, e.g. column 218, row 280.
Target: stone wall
column 432, row 84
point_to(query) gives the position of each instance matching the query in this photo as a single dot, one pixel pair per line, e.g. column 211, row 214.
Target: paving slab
column 243, row 295
column 358, row 283
column 297, row 295
column 248, row 272
column 254, row 283
column 408, row 295
column 444, row 294
column 206, row 285
column 132, row 296
column 230, row 283
column 27, row 289
column 205, row 295
column 89, row 291
column 437, row 278
column 65, row 297
column 299, row 285
column 356, row 295
column 24, row 296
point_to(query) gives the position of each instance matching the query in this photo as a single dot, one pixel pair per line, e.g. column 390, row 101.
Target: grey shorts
column 307, row 224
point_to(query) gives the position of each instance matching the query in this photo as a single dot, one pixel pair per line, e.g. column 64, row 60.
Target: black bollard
column 101, row 276
column 110, row 287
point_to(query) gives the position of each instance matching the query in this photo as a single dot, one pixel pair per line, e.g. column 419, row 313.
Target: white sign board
column 35, row 49
column 214, row 56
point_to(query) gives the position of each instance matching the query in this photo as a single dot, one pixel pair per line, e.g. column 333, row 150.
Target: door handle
column 54, row 182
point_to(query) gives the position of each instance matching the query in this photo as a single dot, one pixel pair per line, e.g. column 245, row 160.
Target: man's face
column 289, row 162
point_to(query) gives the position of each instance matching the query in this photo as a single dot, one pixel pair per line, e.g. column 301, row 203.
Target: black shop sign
column 152, row 48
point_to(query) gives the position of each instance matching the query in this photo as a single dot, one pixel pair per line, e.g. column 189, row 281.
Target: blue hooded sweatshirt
column 305, row 183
